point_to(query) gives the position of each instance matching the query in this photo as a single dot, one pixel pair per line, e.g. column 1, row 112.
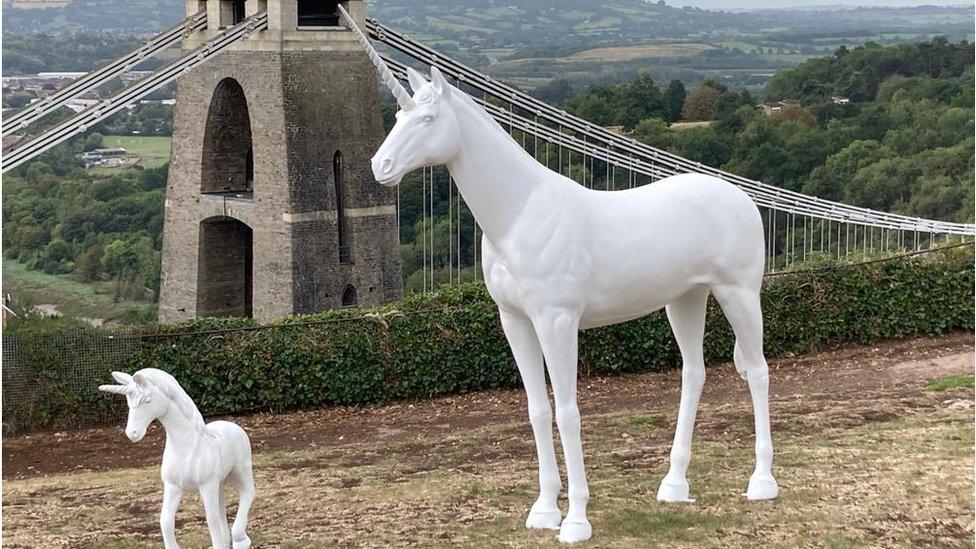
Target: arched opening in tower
column 225, row 267
column 342, row 228
column 228, row 155
column 349, row 298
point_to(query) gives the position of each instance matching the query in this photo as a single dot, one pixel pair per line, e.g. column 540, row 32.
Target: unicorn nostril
column 387, row 165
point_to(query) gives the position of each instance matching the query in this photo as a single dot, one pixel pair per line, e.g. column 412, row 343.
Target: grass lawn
column 72, row 297
column 153, row 151
column 139, row 145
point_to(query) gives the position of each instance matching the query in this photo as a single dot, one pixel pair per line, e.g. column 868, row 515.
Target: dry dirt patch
column 865, row 456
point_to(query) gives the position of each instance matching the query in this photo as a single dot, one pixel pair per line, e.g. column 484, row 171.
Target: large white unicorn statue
column 559, row 257
column 197, row 456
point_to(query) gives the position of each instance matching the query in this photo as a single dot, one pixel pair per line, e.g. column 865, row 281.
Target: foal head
column 426, row 131
column 149, row 393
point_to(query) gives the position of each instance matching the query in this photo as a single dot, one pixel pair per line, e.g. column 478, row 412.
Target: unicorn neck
column 494, row 175
column 181, row 431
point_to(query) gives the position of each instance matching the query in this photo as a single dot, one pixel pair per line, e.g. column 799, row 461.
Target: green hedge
column 451, row 341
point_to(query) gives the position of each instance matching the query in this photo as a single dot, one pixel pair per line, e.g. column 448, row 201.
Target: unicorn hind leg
column 243, row 476
column 741, row 307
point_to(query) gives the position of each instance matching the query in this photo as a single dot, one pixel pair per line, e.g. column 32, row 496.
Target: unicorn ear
column 140, row 379
column 440, row 83
column 122, row 378
column 416, row 80
column 116, row 389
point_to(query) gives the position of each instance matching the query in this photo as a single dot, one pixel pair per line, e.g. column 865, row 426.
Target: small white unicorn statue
column 197, row 456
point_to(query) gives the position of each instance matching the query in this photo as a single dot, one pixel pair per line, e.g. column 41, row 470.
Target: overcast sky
column 754, row 4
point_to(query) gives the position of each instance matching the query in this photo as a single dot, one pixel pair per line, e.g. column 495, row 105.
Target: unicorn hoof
column 575, row 531
column 673, row 491
column 540, row 519
column 762, row 488
column 242, row 544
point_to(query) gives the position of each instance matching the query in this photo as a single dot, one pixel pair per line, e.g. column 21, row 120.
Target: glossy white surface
column 559, row 257
column 197, row 456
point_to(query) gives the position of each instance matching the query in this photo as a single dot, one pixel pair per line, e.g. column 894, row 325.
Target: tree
column 700, row 103
column 830, row 179
column 674, row 100
column 133, row 263
column 16, row 100
column 88, row 263
column 794, row 113
column 652, row 131
column 94, row 141
column 555, row 91
column 638, row 100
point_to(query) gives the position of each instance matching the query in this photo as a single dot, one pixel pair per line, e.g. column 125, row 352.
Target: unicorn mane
column 470, row 102
column 168, row 385
column 467, row 101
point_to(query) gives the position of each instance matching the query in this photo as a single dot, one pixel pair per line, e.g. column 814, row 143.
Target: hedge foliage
column 451, row 341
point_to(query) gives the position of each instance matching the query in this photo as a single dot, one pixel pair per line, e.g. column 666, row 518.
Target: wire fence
column 37, row 368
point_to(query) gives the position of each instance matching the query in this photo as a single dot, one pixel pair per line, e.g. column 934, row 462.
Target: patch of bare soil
column 864, row 456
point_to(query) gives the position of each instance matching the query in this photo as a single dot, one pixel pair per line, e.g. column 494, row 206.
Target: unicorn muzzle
column 134, row 434
column 385, row 172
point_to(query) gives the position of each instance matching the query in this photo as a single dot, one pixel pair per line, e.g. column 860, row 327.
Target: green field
column 153, row 151
column 71, row 297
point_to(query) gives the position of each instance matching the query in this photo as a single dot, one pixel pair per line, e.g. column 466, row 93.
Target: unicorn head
column 426, row 131
column 150, row 393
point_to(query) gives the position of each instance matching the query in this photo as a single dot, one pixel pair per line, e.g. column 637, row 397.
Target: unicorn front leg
column 558, row 332
column 216, row 514
column 528, row 356
column 167, row 516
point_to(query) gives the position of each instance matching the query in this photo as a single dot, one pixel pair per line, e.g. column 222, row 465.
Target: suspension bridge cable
column 149, row 49
column 130, row 94
column 838, row 211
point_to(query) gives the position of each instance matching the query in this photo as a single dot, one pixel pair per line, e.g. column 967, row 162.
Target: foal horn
column 386, row 75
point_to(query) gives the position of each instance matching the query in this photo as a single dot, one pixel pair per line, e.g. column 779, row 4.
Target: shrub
column 451, row 341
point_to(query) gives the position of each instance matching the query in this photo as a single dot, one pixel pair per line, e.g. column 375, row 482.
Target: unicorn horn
column 386, row 75
column 117, row 389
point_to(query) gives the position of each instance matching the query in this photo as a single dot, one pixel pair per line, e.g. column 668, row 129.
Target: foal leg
column 528, row 356
column 558, row 332
column 167, row 517
column 687, row 317
column 742, row 308
column 210, row 494
column 244, row 477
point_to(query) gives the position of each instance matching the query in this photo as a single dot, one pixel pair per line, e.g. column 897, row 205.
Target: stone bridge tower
column 271, row 206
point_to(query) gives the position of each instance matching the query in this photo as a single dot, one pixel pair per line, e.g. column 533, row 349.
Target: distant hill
column 139, row 17
column 558, row 24
column 531, row 42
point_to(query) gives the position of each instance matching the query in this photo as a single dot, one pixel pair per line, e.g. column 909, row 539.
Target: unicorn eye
column 146, row 398
column 427, row 119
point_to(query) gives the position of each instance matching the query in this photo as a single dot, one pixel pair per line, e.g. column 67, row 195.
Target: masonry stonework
column 307, row 95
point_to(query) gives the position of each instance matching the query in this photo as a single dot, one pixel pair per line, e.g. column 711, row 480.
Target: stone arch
column 228, row 152
column 349, row 298
column 225, row 285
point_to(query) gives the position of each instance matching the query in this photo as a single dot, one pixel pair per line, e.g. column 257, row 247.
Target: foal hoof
column 543, row 519
column 673, row 491
column 242, row 544
column 575, row 531
column 762, row 488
